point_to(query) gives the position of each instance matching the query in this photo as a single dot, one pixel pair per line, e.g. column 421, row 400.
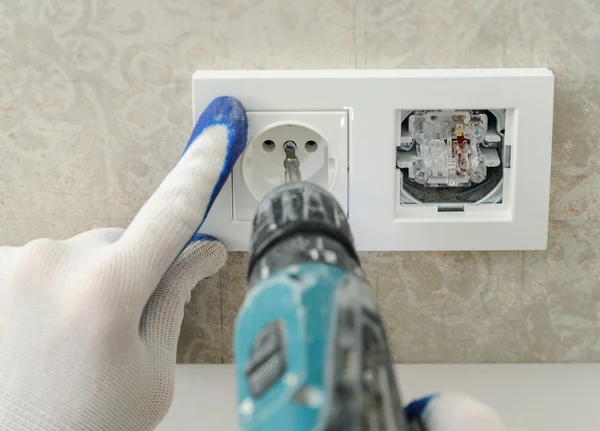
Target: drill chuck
column 299, row 222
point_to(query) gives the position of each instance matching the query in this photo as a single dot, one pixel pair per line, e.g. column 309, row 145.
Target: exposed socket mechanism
column 450, row 157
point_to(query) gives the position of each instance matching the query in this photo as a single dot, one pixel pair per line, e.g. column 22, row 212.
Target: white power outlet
column 420, row 159
column 322, row 150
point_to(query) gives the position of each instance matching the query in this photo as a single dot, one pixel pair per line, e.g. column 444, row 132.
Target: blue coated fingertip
column 417, row 408
column 229, row 112
column 203, row 237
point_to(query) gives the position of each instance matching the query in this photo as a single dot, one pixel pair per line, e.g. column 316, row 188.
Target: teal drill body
column 294, row 369
column 310, row 348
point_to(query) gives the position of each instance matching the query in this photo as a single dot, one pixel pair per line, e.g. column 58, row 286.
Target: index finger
column 172, row 215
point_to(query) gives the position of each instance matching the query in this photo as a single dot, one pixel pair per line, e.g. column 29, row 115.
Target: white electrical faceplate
column 420, row 159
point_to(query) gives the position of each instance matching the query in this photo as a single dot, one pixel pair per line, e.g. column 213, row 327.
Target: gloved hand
column 452, row 412
column 89, row 326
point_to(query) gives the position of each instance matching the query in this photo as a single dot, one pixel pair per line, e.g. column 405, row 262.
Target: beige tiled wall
column 95, row 108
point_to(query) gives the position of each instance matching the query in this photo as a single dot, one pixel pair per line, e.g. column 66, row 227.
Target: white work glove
column 452, row 412
column 89, row 326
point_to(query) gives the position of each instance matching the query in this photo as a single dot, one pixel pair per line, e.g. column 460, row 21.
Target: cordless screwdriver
column 310, row 347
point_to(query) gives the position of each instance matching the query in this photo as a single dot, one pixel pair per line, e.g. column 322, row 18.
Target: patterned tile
column 201, row 333
column 81, row 151
column 451, row 307
column 566, row 35
column 561, row 320
column 443, row 34
column 117, row 43
column 233, row 277
column 271, row 34
column 575, row 186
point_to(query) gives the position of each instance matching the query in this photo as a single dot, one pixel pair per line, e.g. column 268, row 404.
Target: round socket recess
column 321, row 140
column 263, row 162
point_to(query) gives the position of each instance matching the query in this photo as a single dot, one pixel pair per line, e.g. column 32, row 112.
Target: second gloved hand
column 452, row 412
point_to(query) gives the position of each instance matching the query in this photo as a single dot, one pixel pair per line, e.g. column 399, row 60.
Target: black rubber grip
column 298, row 208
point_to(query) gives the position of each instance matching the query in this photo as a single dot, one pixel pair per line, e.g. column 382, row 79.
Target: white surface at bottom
column 528, row 397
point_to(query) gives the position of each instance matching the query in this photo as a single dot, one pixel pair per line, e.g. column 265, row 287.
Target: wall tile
column 201, row 333
column 233, row 291
column 84, row 151
column 271, row 34
column 566, row 38
column 199, row 344
column 158, row 41
column 44, row 164
column 445, row 34
column 118, row 43
column 575, row 189
column 561, row 319
column 452, row 307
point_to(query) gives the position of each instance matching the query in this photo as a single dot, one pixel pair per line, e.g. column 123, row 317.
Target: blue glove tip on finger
column 202, row 237
column 226, row 111
column 229, row 112
column 417, row 408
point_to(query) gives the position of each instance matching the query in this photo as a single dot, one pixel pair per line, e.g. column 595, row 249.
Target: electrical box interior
column 450, row 158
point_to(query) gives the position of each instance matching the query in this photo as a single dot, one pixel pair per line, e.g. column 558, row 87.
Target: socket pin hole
column 268, row 145
column 501, row 132
column 311, row 146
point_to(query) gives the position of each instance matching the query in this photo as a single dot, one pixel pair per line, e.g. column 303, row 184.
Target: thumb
column 161, row 322
column 453, row 412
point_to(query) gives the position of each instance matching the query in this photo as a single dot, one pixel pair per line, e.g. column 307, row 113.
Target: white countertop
column 533, row 397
